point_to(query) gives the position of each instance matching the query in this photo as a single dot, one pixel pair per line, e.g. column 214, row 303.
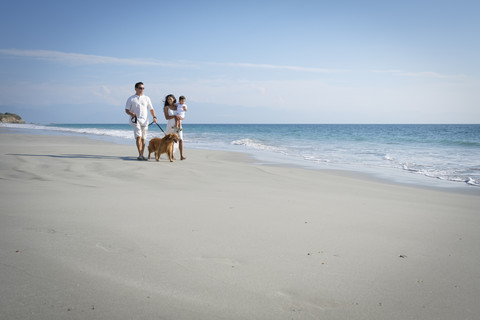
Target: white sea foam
column 249, row 143
column 80, row 130
column 316, row 159
column 23, row 126
column 388, row 157
column 472, row 182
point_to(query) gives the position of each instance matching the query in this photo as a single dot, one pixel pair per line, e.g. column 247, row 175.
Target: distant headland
column 10, row 118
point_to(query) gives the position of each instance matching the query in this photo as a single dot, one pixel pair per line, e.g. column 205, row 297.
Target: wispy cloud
column 88, row 59
column 85, row 59
column 421, row 74
column 79, row 58
column 276, row 67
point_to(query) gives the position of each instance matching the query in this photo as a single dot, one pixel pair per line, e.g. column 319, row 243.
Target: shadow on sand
column 75, row 156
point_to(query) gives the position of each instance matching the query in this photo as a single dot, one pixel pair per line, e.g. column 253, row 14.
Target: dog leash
column 157, row 126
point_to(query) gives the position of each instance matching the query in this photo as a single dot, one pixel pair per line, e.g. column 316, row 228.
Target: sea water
column 432, row 154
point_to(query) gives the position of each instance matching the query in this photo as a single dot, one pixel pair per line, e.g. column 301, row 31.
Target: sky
column 243, row 61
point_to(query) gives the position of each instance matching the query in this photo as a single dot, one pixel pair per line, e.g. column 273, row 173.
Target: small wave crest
column 473, row 182
column 24, row 126
column 249, row 143
column 448, row 175
column 460, row 143
column 388, row 157
column 316, row 159
column 115, row 133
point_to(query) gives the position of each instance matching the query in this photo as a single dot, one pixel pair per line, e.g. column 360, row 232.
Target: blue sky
column 243, row 61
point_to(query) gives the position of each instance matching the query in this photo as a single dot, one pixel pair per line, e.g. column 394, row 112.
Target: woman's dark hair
column 166, row 100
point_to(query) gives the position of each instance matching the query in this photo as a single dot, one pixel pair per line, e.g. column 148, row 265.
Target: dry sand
column 88, row 232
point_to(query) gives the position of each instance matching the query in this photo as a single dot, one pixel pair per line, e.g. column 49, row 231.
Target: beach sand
column 88, row 232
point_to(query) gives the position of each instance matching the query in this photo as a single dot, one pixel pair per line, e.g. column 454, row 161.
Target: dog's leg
column 170, row 153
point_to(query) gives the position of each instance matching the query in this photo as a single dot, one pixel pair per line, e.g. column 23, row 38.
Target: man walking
column 137, row 107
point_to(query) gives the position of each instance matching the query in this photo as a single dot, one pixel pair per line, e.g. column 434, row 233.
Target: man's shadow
column 75, row 156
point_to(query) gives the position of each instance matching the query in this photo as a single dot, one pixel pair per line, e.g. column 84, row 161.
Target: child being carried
column 180, row 113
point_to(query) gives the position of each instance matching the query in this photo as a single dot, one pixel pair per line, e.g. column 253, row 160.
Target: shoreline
column 404, row 171
column 87, row 231
column 397, row 178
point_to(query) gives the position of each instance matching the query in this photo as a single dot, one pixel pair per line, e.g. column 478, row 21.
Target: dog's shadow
column 76, row 156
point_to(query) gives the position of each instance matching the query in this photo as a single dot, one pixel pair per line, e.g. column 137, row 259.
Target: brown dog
column 162, row 145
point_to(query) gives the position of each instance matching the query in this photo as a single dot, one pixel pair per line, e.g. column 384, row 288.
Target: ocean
column 427, row 154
